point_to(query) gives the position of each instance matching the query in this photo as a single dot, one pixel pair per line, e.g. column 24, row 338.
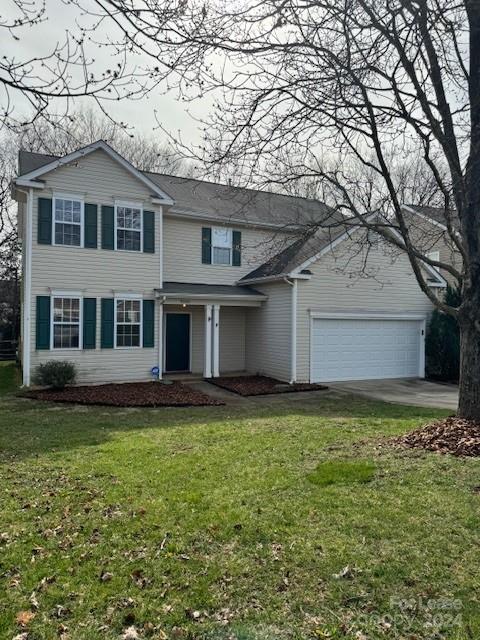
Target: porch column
column 207, row 367
column 160, row 340
column 216, row 341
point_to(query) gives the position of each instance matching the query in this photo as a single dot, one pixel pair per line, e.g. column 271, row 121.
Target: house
column 132, row 274
column 429, row 230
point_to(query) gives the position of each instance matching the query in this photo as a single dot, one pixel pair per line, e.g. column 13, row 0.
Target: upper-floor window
column 128, row 224
column 65, row 322
column 68, row 221
column 434, row 255
column 128, row 322
column 221, row 246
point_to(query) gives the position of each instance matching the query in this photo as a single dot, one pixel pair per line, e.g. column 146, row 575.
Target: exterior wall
column 430, row 237
column 232, row 339
column 183, row 252
column 96, row 272
column 337, row 285
column 268, row 335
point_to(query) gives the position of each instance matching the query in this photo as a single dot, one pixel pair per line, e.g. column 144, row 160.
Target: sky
column 36, row 41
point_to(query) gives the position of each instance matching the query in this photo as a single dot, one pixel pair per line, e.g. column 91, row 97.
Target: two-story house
column 127, row 271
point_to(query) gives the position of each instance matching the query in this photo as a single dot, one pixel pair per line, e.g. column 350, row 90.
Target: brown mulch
column 261, row 385
column 129, row 394
column 456, row 436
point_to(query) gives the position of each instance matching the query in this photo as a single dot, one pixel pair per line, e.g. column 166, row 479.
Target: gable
column 97, row 176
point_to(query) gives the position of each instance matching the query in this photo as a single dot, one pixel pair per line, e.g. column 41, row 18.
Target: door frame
column 338, row 315
column 177, row 313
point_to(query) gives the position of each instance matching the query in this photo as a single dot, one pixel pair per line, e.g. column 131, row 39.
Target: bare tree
column 337, row 91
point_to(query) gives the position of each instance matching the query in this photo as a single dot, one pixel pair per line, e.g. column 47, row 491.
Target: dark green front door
column 177, row 342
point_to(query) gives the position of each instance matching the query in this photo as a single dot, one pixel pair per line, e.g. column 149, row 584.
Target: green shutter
column 236, row 248
column 206, row 245
column 106, row 338
column 44, row 221
column 89, row 323
column 148, row 232
column 148, row 323
column 91, row 226
column 108, row 228
column 43, row 323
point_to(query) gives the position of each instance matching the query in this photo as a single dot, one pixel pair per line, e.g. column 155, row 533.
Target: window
column 221, row 246
column 68, row 222
column 129, row 228
column 128, row 323
column 66, row 323
column 434, row 255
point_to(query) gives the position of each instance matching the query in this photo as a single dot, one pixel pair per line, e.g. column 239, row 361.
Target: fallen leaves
column 23, row 618
column 456, row 436
column 347, row 572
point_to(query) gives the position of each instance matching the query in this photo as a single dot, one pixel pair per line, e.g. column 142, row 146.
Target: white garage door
column 365, row 349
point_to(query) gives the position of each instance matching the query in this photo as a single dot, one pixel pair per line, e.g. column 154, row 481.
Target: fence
column 8, row 349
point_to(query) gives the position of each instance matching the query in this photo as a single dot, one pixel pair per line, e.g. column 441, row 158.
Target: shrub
column 55, row 374
column 442, row 345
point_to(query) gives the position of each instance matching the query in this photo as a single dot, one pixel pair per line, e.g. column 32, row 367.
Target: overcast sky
column 37, row 41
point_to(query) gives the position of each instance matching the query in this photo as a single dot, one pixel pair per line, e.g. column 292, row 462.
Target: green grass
column 9, row 377
column 212, row 510
column 341, row 471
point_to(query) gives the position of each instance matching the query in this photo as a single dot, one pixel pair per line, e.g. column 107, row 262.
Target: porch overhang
column 200, row 294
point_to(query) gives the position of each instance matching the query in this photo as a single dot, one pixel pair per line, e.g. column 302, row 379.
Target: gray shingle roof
column 434, row 213
column 220, row 201
column 29, row 161
column 307, row 246
column 189, row 289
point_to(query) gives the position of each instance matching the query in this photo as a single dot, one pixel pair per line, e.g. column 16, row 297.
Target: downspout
column 27, row 288
column 293, row 337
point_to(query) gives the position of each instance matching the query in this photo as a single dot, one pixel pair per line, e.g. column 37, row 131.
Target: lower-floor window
column 66, row 323
column 128, row 323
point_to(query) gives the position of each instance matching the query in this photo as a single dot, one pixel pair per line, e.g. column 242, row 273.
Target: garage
column 360, row 347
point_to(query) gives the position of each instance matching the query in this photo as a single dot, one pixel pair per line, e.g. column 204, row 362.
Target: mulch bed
column 261, row 385
column 129, row 394
column 456, row 436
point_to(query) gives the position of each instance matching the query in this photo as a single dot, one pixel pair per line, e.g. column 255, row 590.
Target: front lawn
column 224, row 522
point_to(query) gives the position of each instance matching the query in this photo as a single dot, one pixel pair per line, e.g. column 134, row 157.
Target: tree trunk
column 469, row 401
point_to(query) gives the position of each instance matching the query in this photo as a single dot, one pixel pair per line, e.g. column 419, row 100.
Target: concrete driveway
column 413, row 391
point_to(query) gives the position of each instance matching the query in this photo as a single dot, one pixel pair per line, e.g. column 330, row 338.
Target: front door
column 177, row 342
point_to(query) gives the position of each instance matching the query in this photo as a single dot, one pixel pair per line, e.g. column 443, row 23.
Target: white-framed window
column 128, row 226
column 434, row 255
column 221, row 246
column 68, row 216
column 66, row 321
column 128, row 322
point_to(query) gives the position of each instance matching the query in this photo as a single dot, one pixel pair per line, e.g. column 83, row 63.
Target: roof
column 437, row 214
column 284, row 262
column 200, row 198
column 213, row 290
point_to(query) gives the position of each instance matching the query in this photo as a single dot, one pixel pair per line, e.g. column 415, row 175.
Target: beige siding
column 96, row 272
column 268, row 335
column 428, row 237
column 336, row 285
column 183, row 252
column 232, row 339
